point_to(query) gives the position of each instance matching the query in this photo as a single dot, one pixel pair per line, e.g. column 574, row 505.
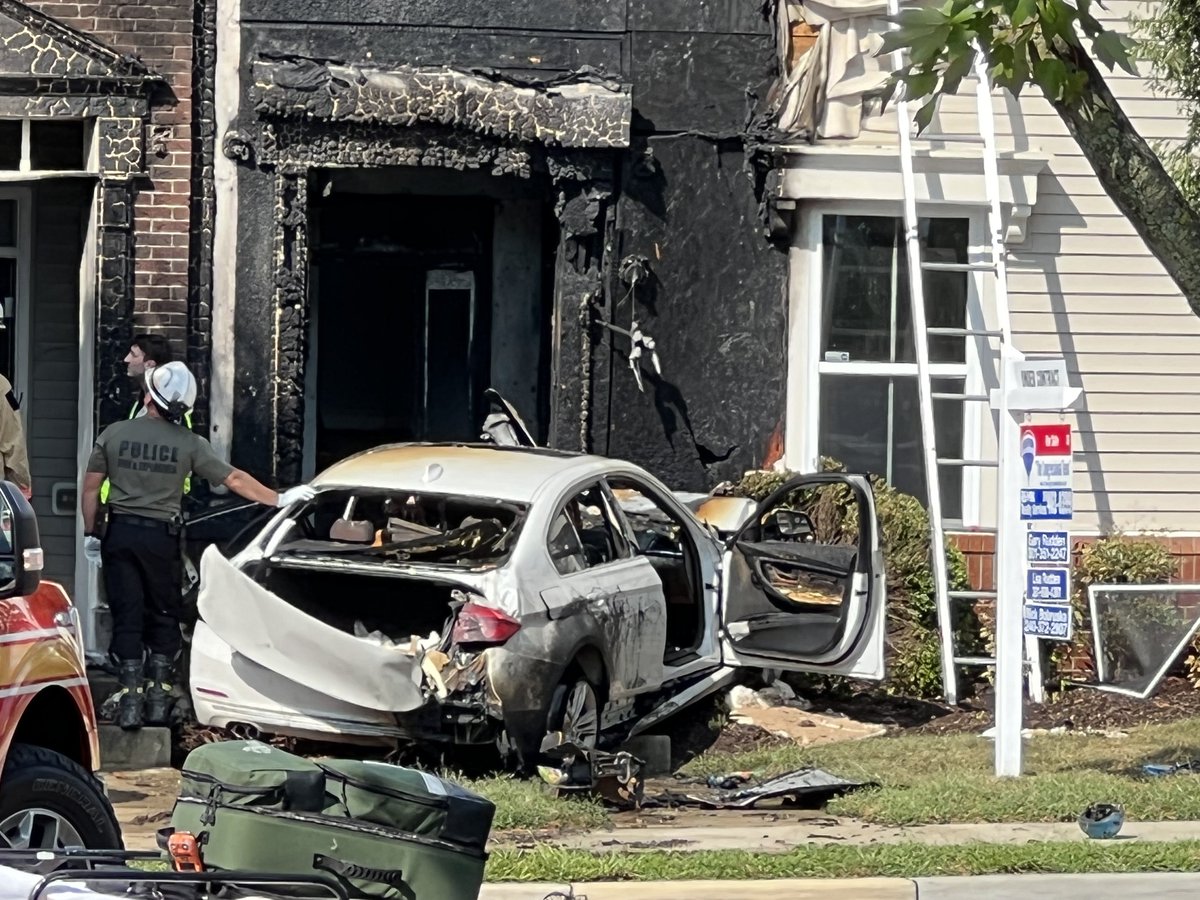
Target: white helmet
column 172, row 388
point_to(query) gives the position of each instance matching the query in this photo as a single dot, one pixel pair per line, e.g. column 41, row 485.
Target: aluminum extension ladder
column 991, row 342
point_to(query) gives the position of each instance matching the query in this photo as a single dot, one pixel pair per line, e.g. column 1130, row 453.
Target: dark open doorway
column 421, row 302
column 403, row 320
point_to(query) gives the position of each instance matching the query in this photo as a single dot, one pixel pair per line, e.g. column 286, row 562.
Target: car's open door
column 804, row 596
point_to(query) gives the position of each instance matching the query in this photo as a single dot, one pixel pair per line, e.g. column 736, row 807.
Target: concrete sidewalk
column 792, row 889
column 780, row 837
column 1157, row 886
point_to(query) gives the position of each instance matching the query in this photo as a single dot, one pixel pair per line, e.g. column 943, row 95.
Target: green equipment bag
column 407, row 799
column 383, row 831
column 251, row 773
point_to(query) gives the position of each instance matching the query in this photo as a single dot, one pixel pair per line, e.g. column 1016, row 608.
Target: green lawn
column 927, row 779
column 930, row 779
column 832, row 861
column 532, row 806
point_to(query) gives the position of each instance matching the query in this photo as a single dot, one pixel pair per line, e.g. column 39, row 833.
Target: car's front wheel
column 50, row 802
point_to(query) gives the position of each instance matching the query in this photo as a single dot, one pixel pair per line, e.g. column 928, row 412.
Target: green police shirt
column 147, row 460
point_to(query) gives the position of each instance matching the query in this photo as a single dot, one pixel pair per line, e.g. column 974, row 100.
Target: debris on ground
column 806, row 728
column 777, row 710
column 1102, row 821
column 730, row 781
column 615, row 778
column 777, row 694
column 1192, row 766
column 1111, row 734
column 808, row 788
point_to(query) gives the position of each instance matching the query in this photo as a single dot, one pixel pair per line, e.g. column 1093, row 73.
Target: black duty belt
column 143, row 521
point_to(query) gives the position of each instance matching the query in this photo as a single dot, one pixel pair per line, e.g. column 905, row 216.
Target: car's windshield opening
column 404, row 526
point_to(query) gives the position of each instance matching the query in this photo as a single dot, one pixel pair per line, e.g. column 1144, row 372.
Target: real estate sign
column 1047, row 506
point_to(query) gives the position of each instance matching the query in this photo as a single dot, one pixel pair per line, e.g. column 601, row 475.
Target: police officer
column 146, row 460
column 14, row 455
column 145, row 352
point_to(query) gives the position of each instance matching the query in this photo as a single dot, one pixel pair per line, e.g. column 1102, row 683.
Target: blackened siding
column 716, row 295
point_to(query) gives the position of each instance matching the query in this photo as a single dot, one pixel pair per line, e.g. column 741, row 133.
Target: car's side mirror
column 791, row 524
column 21, row 557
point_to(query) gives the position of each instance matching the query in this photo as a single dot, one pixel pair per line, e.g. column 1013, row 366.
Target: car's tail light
column 483, row 625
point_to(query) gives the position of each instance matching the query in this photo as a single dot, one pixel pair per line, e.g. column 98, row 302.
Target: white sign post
column 1026, row 386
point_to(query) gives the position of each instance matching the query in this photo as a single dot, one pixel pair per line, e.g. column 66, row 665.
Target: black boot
column 158, row 689
column 131, row 706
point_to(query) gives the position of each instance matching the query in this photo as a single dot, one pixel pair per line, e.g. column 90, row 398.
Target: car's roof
column 465, row 470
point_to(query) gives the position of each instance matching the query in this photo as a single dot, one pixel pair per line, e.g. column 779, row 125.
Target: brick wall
column 159, row 32
column 979, row 550
column 1076, row 659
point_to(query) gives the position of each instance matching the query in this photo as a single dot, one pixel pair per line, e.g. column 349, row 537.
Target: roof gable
column 34, row 45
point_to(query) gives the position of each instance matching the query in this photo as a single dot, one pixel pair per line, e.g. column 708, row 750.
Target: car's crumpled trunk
column 356, row 636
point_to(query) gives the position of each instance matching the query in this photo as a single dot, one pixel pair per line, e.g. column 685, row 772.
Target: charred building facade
column 418, row 200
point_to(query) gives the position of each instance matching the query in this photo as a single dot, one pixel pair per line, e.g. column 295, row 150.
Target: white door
column 805, row 587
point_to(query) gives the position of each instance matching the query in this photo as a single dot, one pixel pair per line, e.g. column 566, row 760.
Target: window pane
column 944, row 241
column 8, row 297
column 565, row 547
column 56, row 145
column 582, row 535
column 8, row 223
column 866, row 312
column 10, row 145
column 860, row 298
column 872, row 424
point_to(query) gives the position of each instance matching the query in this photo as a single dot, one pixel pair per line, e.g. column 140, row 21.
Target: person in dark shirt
column 146, row 460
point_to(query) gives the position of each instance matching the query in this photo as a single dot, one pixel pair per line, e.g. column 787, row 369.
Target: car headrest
column 352, row 531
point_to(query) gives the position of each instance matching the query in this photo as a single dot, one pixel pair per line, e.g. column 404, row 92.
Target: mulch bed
column 1080, row 709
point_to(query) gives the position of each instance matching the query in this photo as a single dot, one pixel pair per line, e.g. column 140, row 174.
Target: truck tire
column 41, row 780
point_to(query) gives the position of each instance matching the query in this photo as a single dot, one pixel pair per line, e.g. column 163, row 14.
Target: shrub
column 914, row 649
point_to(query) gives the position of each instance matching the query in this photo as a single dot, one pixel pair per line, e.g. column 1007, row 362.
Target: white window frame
column 21, row 253
column 25, row 170
column 806, row 363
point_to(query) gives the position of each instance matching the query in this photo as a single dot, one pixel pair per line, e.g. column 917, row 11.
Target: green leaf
column 1112, row 49
column 958, row 69
column 1051, row 74
column 921, row 16
column 963, row 11
column 1057, row 21
column 888, row 92
column 925, row 115
column 1024, row 11
column 926, row 50
column 900, row 39
column 920, row 84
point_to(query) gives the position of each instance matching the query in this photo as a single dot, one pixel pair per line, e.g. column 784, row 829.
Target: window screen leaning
column 1139, row 633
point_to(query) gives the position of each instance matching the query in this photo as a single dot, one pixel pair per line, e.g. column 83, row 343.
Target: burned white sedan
column 510, row 596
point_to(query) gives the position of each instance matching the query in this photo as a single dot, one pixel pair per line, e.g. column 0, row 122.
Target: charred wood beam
column 585, row 112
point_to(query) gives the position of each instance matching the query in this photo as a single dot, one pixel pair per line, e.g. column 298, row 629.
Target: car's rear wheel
column 575, row 712
column 49, row 802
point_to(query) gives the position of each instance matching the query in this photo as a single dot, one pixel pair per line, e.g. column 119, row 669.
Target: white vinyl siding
column 1083, row 284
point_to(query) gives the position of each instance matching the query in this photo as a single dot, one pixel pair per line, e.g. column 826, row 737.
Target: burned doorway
column 425, row 290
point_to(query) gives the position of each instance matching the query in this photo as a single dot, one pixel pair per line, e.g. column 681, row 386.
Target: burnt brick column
column 114, row 300
column 203, row 206
column 291, row 319
column 580, row 382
